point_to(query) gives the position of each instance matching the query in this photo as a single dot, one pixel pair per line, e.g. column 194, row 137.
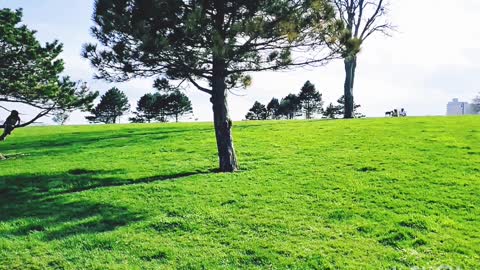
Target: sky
column 433, row 57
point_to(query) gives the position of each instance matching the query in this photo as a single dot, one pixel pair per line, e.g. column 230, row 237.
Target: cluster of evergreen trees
column 160, row 107
column 172, row 103
column 307, row 103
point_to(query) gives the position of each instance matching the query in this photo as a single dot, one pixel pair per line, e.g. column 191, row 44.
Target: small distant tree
column 178, row 104
column 310, row 99
column 289, row 106
column 113, row 104
column 161, row 104
column 250, row 116
column 61, row 117
column 257, row 112
column 331, row 111
column 341, row 108
column 476, row 103
column 273, row 108
column 146, row 110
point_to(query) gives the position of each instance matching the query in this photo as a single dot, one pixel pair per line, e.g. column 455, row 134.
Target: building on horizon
column 457, row 108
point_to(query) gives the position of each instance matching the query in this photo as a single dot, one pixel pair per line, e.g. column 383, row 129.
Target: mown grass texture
column 356, row 194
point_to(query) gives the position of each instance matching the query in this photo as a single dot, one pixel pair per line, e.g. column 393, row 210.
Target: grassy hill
column 360, row 194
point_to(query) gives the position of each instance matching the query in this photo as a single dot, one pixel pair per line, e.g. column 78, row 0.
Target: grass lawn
column 359, row 194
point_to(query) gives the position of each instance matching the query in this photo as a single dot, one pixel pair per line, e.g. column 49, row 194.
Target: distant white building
column 455, row 108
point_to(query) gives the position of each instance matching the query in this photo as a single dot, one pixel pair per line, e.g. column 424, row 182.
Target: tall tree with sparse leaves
column 362, row 19
column 30, row 72
column 211, row 44
column 113, row 104
column 310, row 99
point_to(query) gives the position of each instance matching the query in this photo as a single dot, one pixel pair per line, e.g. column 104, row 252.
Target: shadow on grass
column 58, row 217
column 84, row 138
column 39, row 204
column 27, row 187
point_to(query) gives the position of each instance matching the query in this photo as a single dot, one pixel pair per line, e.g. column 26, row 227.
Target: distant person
column 10, row 124
column 395, row 113
column 403, row 113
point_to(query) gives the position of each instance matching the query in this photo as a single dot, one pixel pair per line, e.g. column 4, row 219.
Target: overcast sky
column 434, row 57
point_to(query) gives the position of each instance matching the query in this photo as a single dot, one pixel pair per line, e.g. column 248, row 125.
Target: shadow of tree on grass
column 44, row 205
column 61, row 140
column 59, row 218
column 28, row 187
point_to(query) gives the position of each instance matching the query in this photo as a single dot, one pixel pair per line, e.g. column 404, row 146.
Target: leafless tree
column 362, row 19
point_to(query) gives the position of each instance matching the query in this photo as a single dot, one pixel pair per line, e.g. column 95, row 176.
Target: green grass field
column 359, row 194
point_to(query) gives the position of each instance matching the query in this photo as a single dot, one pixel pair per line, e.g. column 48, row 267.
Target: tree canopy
column 331, row 111
column 178, row 104
column 211, row 44
column 30, row 72
column 273, row 108
column 160, row 107
column 112, row 105
column 147, row 109
column 257, row 112
column 341, row 108
column 289, row 106
column 311, row 100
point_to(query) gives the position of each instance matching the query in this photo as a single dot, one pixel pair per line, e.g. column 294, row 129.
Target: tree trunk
column 350, row 67
column 176, row 118
column 222, row 121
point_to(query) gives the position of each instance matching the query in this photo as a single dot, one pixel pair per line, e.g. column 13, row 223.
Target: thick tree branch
column 203, row 89
column 40, row 115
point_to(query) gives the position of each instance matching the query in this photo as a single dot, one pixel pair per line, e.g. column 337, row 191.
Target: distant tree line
column 308, row 103
column 168, row 103
column 161, row 107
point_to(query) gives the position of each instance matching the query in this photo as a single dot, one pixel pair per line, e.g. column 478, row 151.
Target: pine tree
column 311, row 100
column 331, row 111
column 290, row 106
column 146, row 110
column 257, row 112
column 30, row 72
column 211, row 44
column 178, row 104
column 273, row 108
column 341, row 108
column 113, row 104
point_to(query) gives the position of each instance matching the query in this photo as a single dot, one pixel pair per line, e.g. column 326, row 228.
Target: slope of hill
column 360, row 194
